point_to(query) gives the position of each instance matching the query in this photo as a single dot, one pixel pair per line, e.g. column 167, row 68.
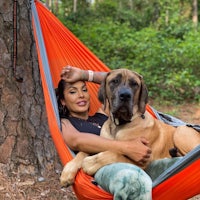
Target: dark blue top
column 92, row 125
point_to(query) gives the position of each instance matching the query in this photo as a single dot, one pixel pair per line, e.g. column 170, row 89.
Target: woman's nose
column 81, row 94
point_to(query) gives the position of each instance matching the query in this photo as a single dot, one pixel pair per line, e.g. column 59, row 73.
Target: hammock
column 57, row 47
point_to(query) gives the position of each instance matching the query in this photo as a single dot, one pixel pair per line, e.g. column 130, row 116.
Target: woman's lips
column 82, row 103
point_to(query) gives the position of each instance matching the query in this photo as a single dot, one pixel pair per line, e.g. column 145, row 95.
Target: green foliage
column 166, row 53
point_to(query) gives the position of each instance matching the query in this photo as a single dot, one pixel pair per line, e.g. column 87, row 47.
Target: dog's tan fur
column 126, row 95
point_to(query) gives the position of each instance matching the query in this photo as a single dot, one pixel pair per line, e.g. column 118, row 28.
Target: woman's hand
column 73, row 74
column 138, row 151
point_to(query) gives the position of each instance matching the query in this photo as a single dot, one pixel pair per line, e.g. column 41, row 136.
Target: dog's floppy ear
column 143, row 98
column 102, row 92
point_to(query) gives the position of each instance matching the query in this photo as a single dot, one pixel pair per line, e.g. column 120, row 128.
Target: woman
column 81, row 133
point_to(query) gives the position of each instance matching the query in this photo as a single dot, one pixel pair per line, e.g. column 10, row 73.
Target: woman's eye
column 85, row 90
column 72, row 92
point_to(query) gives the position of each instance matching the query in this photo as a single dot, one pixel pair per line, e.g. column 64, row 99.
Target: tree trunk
column 48, row 3
column 56, row 8
column 25, row 142
column 75, row 6
column 195, row 13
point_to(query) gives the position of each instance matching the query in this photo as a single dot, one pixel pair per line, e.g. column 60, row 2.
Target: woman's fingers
column 65, row 72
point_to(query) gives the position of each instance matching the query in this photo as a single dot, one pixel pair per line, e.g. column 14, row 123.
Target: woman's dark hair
column 63, row 110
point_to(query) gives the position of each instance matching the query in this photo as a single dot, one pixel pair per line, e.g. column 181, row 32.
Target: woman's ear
column 62, row 101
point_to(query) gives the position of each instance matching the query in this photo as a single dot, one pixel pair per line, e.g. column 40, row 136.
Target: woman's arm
column 136, row 150
column 73, row 74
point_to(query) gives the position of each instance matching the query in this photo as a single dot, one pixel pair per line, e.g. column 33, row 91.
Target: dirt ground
column 34, row 188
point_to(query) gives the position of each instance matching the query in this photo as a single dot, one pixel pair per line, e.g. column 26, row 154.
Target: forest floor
column 33, row 188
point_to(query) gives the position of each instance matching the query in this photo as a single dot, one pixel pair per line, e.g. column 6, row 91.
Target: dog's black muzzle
column 125, row 94
column 122, row 105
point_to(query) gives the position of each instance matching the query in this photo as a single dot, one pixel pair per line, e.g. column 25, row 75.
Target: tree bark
column 25, row 142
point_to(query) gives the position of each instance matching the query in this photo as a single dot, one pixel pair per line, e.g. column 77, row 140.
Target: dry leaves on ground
column 30, row 188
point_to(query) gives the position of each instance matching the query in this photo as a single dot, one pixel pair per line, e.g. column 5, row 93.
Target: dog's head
column 126, row 94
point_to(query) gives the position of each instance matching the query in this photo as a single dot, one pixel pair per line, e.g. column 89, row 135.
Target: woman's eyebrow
column 84, row 86
column 74, row 87
column 71, row 88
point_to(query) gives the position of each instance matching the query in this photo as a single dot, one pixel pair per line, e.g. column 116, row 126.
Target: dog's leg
column 186, row 139
column 70, row 170
column 92, row 163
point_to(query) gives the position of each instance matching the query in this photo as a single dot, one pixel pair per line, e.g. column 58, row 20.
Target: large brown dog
column 126, row 95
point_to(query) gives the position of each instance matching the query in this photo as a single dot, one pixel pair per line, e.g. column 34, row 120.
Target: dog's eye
column 115, row 81
column 133, row 83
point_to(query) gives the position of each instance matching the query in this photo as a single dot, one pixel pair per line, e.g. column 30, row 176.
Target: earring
column 64, row 110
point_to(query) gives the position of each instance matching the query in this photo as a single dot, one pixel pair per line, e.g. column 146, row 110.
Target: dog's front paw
column 68, row 174
column 90, row 165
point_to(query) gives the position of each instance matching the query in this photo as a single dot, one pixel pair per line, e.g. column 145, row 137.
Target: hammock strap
column 45, row 62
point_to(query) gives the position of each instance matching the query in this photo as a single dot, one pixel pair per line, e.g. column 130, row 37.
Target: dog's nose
column 125, row 94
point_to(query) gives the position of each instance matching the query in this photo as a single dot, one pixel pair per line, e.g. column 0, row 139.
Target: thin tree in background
column 56, row 8
column 47, row 3
column 195, row 13
column 75, row 6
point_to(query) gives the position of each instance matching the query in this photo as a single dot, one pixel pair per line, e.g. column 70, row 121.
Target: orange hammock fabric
column 63, row 48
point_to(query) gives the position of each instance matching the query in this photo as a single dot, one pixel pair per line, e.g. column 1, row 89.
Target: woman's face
column 76, row 98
